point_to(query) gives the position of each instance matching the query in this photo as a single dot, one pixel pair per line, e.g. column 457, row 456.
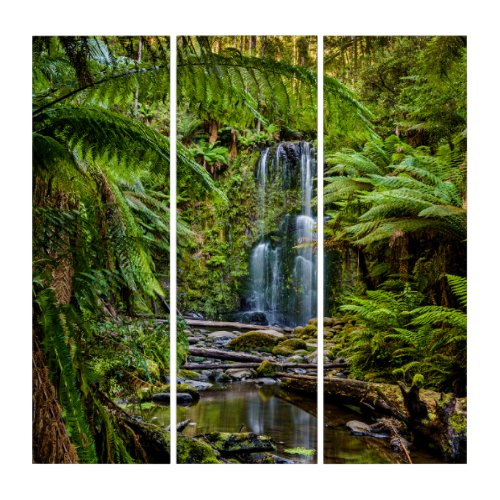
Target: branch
column 94, row 84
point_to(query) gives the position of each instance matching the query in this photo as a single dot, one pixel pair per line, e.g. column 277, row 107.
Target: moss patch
column 241, row 442
column 300, row 451
column 189, row 374
column 458, row 423
column 309, row 331
column 288, row 347
column 195, row 451
column 295, row 344
column 267, row 369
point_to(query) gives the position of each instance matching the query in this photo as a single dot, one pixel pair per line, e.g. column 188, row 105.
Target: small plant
column 301, row 451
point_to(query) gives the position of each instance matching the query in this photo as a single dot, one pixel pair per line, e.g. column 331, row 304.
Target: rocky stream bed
column 247, row 394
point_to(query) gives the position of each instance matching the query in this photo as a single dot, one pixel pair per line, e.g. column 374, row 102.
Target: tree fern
column 57, row 337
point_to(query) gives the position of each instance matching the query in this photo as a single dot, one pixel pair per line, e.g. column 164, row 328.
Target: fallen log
column 151, row 443
column 226, row 355
column 307, row 366
column 441, row 418
column 229, row 324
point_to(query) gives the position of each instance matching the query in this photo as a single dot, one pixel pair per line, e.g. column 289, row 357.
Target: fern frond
column 431, row 315
column 458, row 285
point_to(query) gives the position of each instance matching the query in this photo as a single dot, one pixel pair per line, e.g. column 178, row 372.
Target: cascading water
column 283, row 262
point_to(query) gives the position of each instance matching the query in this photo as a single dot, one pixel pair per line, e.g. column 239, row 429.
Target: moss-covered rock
column 288, row 347
column 295, row 344
column 189, row 389
column 283, row 351
column 254, row 341
column 328, row 322
column 297, row 331
column 188, row 374
column 267, row 369
column 195, row 451
column 240, row 373
column 240, row 442
column 274, row 333
column 147, row 393
column 309, row 331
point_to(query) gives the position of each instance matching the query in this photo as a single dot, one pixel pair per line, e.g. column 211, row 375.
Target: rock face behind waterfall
column 282, row 283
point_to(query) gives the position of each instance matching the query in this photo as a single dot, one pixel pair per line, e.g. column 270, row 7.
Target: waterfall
column 282, row 282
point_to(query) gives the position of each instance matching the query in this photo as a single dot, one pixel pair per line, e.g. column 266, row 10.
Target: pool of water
column 247, row 408
column 290, row 419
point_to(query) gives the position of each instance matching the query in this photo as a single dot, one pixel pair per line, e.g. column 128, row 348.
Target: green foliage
column 414, row 85
column 60, row 332
column 237, row 89
column 396, row 338
column 130, row 350
column 216, row 258
column 100, row 228
column 399, row 211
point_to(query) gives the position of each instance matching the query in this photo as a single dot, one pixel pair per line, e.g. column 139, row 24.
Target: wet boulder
column 198, row 385
column 163, row 398
column 222, row 335
column 240, row 373
column 254, row 318
column 184, row 399
column 221, row 338
column 266, row 381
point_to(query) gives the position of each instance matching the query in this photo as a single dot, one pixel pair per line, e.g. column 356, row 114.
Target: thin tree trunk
column 213, row 129
column 139, row 60
column 263, row 41
column 51, row 443
column 253, row 45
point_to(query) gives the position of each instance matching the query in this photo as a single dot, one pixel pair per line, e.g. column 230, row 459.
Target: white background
column 20, row 21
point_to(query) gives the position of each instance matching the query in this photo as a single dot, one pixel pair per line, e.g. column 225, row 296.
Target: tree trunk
column 253, row 45
column 263, row 41
column 233, row 151
column 136, row 97
column 51, row 443
column 213, row 130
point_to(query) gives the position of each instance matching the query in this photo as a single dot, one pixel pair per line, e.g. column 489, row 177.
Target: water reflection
column 247, row 408
column 290, row 419
column 341, row 447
